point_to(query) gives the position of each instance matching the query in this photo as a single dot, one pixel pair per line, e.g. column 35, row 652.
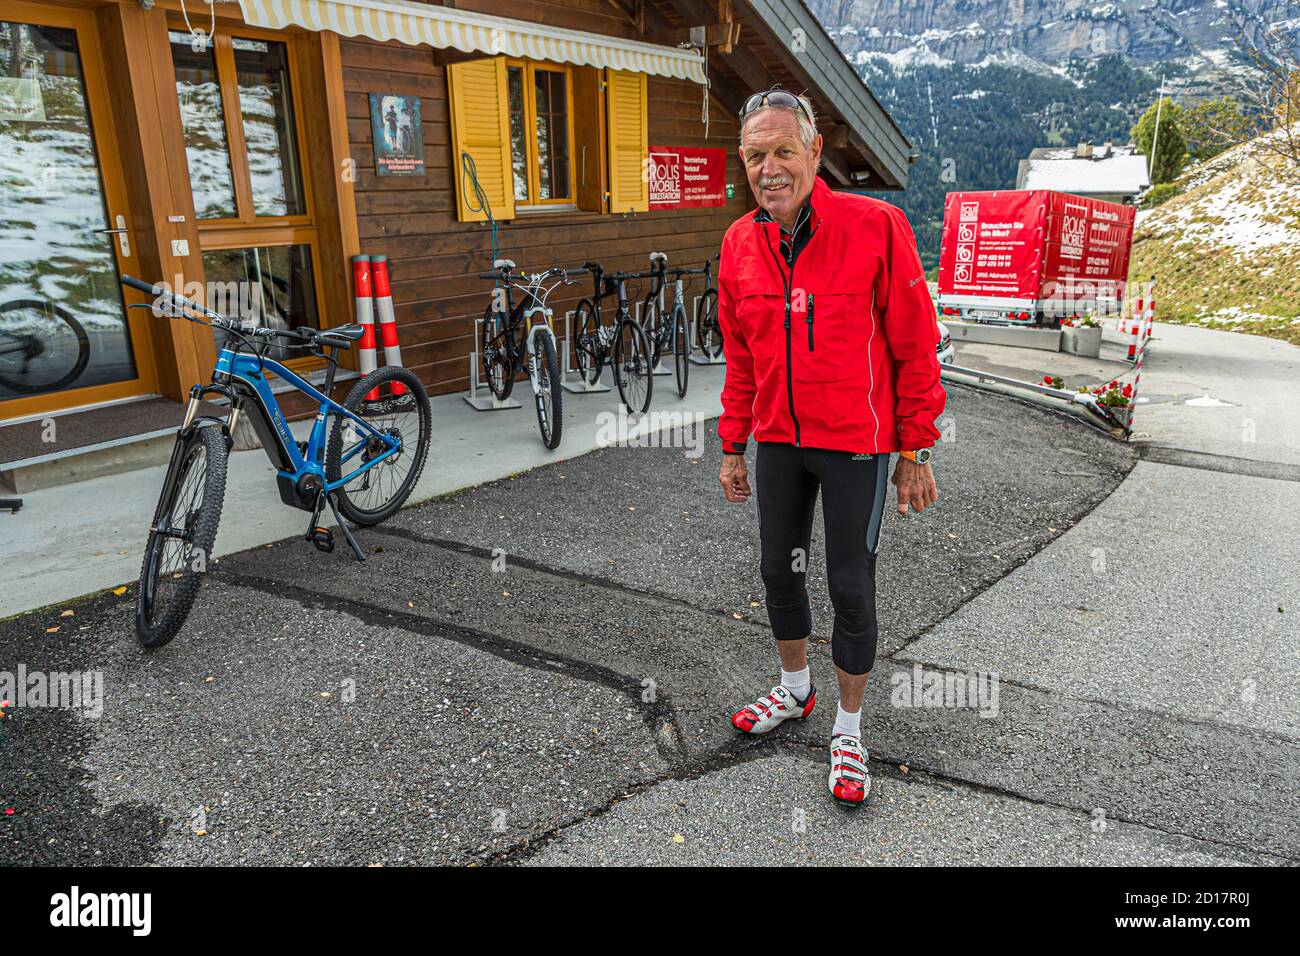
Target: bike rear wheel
column 175, row 557
column 546, row 373
column 632, row 366
column 681, row 350
column 586, row 344
column 403, row 412
column 43, row 348
column 652, row 321
column 494, row 349
column 708, row 335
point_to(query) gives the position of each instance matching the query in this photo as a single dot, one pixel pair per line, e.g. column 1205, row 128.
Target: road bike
column 519, row 336
column 43, row 347
column 620, row 343
column 708, row 333
column 362, row 457
column 669, row 329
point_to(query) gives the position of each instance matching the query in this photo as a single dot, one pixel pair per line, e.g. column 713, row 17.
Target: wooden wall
column 434, row 259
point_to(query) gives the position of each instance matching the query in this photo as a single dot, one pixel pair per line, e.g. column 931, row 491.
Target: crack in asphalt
column 580, row 577
column 1208, row 461
column 657, row 714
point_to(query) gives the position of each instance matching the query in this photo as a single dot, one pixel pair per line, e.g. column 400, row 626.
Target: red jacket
column 838, row 352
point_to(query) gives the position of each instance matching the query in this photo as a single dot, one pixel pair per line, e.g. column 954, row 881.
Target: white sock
column 848, row 723
column 796, row 682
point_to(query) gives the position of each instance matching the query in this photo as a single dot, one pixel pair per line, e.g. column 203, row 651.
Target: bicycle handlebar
column 160, row 291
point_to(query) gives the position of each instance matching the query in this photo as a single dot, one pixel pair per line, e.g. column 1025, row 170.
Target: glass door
column 65, row 336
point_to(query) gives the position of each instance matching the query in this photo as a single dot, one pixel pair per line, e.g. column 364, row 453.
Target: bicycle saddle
column 503, row 263
column 658, row 257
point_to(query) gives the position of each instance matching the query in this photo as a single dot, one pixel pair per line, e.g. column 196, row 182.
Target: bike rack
column 572, row 380
column 480, row 403
column 699, row 356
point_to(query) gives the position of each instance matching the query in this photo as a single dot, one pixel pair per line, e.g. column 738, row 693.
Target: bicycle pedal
column 322, row 538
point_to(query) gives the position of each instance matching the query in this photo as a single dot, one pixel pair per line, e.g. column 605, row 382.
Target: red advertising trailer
column 1032, row 256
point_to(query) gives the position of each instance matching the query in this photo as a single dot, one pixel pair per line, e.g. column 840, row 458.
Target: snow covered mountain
column 1043, row 35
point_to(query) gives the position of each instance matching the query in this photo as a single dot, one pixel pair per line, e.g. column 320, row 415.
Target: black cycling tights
column 853, row 500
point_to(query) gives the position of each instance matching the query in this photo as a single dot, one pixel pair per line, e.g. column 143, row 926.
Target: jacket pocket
column 811, row 305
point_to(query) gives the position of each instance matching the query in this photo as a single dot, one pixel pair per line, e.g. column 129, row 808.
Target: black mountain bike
column 43, row 348
column 519, row 335
column 668, row 329
column 708, row 334
column 620, row 343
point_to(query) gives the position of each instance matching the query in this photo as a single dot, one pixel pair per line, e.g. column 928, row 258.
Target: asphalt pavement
column 539, row 669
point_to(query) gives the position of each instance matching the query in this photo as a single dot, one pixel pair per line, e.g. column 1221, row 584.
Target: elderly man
column 830, row 341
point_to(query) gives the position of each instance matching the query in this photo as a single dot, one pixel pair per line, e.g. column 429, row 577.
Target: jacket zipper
column 810, row 321
column 789, row 366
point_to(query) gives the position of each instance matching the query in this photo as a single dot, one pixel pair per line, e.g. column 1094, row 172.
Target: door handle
column 121, row 232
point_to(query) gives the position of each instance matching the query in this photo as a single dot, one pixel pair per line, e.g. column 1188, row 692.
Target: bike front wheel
column 632, row 369
column 393, row 402
column 181, row 539
column 546, row 376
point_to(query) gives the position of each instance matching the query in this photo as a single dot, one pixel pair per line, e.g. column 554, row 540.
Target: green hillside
column 1226, row 250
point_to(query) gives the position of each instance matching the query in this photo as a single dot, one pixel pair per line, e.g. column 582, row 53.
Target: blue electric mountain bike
column 362, row 457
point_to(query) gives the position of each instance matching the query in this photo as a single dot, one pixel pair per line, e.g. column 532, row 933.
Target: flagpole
column 1160, row 102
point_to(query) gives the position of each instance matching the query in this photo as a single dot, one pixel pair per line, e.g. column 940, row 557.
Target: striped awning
column 444, row 27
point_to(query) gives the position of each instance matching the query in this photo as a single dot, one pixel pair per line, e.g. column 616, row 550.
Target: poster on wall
column 398, row 134
column 682, row 177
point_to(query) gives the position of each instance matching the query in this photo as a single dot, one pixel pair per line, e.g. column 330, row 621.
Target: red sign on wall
column 686, row 176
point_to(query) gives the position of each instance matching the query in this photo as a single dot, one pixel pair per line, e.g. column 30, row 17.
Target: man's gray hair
column 807, row 129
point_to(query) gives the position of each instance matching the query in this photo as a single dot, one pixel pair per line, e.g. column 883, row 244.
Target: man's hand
column 734, row 478
column 915, row 484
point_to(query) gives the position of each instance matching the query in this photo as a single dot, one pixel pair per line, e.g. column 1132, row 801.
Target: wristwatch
column 920, row 456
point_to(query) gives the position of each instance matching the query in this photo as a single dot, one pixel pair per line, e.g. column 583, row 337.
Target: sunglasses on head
column 774, row 97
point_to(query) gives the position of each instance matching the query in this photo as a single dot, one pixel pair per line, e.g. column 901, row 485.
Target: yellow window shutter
column 629, row 141
column 480, row 126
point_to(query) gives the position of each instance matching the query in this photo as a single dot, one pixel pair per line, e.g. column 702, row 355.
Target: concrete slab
column 1176, row 594
column 774, row 811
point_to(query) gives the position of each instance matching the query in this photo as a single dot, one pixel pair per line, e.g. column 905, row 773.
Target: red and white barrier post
column 387, row 321
column 365, row 311
column 1135, row 322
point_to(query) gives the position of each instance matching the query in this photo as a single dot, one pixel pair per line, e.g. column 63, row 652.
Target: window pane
column 518, row 145
column 266, row 104
column 271, row 286
column 560, row 141
column 205, row 133
column 552, row 135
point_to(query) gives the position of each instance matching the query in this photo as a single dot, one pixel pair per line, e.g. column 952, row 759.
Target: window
column 256, row 229
column 541, row 133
